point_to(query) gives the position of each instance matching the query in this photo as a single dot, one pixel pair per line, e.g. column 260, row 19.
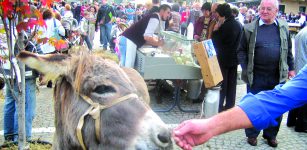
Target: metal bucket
column 211, row 102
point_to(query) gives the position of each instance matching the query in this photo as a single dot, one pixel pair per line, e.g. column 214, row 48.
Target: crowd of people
column 180, row 18
column 256, row 38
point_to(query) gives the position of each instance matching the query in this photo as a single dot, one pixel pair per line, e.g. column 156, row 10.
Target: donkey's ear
column 51, row 65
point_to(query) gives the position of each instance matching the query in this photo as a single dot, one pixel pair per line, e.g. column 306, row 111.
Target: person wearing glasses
column 266, row 59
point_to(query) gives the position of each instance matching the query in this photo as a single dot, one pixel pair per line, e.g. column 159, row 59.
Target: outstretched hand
column 191, row 133
column 291, row 74
column 194, row 132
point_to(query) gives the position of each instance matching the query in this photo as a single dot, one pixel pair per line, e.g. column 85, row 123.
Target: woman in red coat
column 184, row 18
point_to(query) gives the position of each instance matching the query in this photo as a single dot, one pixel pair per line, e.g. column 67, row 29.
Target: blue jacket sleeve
column 264, row 107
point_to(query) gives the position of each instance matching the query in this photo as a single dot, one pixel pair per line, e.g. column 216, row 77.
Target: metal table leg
column 172, row 106
column 176, row 100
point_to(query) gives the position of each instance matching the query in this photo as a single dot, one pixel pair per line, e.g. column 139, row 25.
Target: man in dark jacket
column 266, row 59
column 144, row 31
column 77, row 12
column 104, row 23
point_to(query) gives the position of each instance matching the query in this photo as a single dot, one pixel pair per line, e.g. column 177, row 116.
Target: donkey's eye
column 102, row 89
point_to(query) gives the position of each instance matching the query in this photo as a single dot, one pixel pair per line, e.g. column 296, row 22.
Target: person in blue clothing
column 104, row 23
column 258, row 111
column 10, row 112
column 130, row 13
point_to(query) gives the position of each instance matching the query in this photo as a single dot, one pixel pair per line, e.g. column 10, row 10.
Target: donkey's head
column 129, row 124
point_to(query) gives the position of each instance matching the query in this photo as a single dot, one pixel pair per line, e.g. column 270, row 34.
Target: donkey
column 85, row 82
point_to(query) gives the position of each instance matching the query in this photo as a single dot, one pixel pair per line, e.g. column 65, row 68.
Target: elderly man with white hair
column 266, row 60
column 242, row 14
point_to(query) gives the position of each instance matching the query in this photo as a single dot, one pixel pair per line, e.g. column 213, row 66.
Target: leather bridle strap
column 94, row 111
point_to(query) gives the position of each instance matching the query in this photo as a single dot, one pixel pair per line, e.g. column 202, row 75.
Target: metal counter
column 164, row 67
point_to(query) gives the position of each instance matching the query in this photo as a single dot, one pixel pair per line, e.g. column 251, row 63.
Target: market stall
column 294, row 28
column 174, row 61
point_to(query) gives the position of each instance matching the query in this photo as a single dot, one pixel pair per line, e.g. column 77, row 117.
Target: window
column 302, row 9
column 282, row 8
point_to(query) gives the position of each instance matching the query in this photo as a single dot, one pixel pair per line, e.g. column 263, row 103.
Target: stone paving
column 288, row 139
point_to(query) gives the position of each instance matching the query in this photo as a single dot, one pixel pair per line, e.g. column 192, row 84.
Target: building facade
column 293, row 6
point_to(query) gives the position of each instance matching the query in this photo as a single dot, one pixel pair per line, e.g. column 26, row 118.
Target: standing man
column 155, row 7
column 10, row 109
column 266, row 59
column 242, row 14
column 104, row 18
column 76, row 10
column 130, row 14
column 298, row 117
column 143, row 32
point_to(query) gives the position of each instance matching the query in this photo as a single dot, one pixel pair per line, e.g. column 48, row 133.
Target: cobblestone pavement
column 287, row 138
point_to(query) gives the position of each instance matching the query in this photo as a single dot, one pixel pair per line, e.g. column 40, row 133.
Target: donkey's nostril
column 164, row 138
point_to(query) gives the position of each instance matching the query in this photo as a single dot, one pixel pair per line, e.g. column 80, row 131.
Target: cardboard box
column 210, row 68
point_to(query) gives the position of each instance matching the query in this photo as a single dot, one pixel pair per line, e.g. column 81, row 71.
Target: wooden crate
column 210, row 69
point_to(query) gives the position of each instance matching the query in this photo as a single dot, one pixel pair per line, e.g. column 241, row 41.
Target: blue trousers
column 122, row 48
column 88, row 42
column 261, row 83
column 10, row 111
column 105, row 34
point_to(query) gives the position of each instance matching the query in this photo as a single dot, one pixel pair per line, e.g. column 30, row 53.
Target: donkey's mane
column 85, row 60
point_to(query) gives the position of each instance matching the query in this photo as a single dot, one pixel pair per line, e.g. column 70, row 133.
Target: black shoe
column 49, row 84
column 296, row 129
column 290, row 124
column 271, row 141
column 252, row 141
column 9, row 138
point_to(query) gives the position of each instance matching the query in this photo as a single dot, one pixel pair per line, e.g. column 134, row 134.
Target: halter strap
column 94, row 111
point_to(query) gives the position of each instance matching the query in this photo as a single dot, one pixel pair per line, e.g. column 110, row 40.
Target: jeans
column 183, row 31
column 105, row 34
column 88, row 42
column 122, row 49
column 127, row 52
column 10, row 111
